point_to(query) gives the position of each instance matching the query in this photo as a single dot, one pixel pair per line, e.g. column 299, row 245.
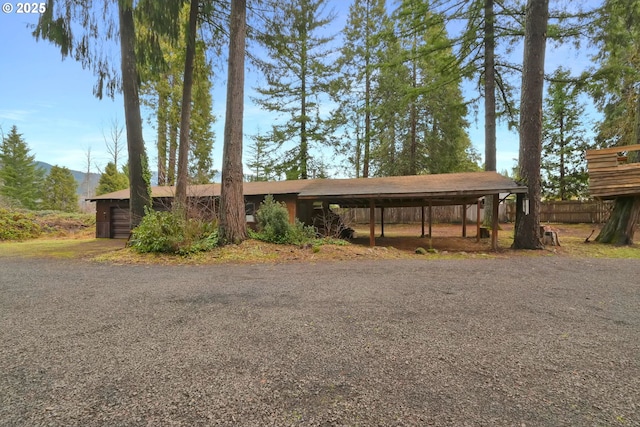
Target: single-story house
column 303, row 197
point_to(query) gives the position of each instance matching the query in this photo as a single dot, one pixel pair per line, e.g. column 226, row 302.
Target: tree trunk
column 562, row 182
column 173, row 152
column 162, row 139
column 413, row 115
column 233, row 225
column 304, row 142
column 621, row 225
column 185, row 116
column 527, row 227
column 489, row 103
column 489, row 89
column 367, row 98
column 138, row 184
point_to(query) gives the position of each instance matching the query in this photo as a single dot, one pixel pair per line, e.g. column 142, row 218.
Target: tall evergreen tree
column 617, row 35
column 359, row 62
column 139, row 176
column 389, row 107
column 527, row 226
column 564, row 171
column 201, row 169
column 233, row 224
column 162, row 88
column 20, row 177
column 59, row 191
column 58, row 23
column 429, row 133
column 298, row 79
column 185, row 114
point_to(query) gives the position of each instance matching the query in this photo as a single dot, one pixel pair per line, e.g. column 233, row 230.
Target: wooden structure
column 610, row 173
column 303, row 198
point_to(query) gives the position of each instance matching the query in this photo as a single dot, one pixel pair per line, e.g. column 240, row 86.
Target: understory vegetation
column 22, row 224
column 274, row 226
column 174, row 232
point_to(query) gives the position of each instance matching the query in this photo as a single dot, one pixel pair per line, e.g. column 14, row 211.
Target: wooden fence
column 570, row 212
column 444, row 214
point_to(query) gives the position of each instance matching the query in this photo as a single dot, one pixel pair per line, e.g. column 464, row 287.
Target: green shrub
column 274, row 226
column 273, row 220
column 299, row 233
column 16, row 225
column 172, row 232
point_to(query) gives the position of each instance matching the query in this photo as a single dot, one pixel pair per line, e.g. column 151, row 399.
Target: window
column 250, row 211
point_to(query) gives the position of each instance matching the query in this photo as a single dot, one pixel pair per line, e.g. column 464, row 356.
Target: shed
column 302, row 196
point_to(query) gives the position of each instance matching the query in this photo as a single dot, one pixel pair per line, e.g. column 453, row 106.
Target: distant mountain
column 87, row 187
column 86, row 184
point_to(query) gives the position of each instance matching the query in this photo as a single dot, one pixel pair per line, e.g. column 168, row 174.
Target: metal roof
column 414, row 190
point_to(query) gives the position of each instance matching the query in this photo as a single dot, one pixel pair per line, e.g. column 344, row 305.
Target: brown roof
column 441, row 189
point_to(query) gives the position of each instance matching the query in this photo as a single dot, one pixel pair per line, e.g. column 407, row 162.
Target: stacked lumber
column 610, row 175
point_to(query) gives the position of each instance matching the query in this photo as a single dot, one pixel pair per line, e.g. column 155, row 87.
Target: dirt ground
column 448, row 237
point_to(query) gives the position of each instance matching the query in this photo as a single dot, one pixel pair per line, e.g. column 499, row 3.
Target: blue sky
column 51, row 101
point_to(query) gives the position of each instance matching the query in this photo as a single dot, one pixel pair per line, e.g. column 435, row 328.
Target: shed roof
column 414, row 190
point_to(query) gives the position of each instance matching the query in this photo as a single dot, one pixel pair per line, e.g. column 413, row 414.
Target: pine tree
column 59, row 24
column 185, row 114
column 564, row 141
column 60, row 190
column 359, row 64
column 260, row 160
column 201, row 135
column 420, row 111
column 20, row 177
column 389, row 107
column 162, row 88
column 232, row 227
column 617, row 35
column 527, row 226
column 298, row 79
column 111, row 180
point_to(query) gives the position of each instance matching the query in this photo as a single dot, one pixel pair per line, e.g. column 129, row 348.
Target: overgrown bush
column 58, row 223
column 17, row 225
column 172, row 232
column 273, row 225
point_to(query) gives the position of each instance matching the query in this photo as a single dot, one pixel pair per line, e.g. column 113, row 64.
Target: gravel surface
column 524, row 341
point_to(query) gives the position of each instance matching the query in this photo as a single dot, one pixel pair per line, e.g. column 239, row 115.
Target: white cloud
column 16, row 115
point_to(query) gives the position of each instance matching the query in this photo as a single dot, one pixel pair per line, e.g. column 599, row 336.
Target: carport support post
column 372, row 222
column 382, row 221
column 494, row 222
column 478, row 220
column 422, row 220
column 430, row 220
column 464, row 220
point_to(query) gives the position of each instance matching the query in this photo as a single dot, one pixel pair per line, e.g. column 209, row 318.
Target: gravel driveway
column 523, row 341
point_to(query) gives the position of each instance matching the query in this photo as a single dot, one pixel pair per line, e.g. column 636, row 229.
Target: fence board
column 570, row 212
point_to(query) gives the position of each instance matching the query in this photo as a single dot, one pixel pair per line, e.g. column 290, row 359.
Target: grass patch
column 576, row 247
column 81, row 248
column 82, row 245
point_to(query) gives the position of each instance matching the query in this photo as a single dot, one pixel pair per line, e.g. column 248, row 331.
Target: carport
column 423, row 191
